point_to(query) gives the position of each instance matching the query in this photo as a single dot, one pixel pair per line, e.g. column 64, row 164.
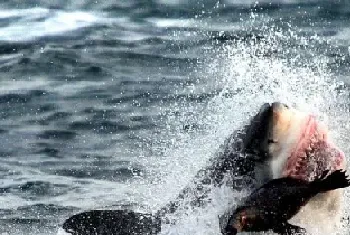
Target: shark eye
column 272, row 141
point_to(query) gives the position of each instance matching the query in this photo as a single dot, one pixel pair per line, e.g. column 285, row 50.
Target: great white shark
column 278, row 141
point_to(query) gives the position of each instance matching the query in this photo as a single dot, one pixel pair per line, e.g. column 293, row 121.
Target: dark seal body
column 272, row 205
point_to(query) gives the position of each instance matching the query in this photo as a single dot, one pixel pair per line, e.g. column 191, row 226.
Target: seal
column 272, row 205
column 271, row 145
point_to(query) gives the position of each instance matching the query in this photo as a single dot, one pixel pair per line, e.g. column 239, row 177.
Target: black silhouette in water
column 272, row 205
column 112, row 222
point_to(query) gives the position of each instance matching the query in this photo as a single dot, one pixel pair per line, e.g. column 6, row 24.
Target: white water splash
column 248, row 79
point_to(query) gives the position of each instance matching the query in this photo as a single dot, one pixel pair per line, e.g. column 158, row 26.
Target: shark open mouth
column 313, row 153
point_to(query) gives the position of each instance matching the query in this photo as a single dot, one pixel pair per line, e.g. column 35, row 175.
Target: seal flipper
column 289, row 229
column 112, row 222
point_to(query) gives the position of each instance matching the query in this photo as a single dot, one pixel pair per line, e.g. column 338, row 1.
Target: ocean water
column 106, row 104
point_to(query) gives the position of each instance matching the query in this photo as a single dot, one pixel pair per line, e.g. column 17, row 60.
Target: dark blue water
column 106, row 104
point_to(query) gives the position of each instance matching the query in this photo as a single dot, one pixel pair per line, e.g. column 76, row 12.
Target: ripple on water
column 33, row 219
column 14, row 98
column 34, row 190
column 57, row 134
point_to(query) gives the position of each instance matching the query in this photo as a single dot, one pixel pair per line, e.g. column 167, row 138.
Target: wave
column 30, row 24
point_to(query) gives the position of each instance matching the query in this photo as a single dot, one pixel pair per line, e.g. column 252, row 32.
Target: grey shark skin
column 243, row 159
